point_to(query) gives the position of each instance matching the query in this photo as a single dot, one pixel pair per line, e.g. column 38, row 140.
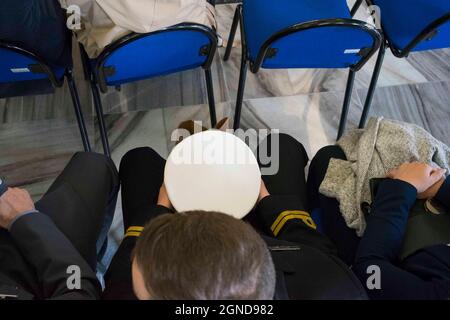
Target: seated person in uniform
column 104, row 21
column 43, row 244
column 38, row 26
column 210, row 256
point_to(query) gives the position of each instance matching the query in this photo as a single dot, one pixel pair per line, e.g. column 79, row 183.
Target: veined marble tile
column 127, row 131
column 425, row 104
column 44, row 107
column 49, row 106
column 433, row 64
column 178, row 89
column 33, row 153
column 312, row 119
column 286, row 82
column 175, row 115
column 134, row 129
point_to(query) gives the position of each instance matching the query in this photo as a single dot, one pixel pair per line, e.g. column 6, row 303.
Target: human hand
column 432, row 191
column 13, row 203
column 420, row 175
column 163, row 198
column 263, row 192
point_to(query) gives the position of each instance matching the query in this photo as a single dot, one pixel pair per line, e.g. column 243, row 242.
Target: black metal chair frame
column 426, row 34
column 43, row 68
column 98, row 75
column 266, row 49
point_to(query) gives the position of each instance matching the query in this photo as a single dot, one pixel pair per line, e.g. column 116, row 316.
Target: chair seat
column 404, row 20
column 325, row 47
column 15, row 67
column 156, row 55
column 264, row 18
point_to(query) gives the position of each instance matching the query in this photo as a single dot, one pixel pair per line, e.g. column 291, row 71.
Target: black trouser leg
column 80, row 199
column 141, row 176
column 289, row 179
column 344, row 238
column 292, row 158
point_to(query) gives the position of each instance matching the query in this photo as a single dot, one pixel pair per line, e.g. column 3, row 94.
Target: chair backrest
column 142, row 56
column 18, row 64
column 329, row 43
column 428, row 21
column 435, row 38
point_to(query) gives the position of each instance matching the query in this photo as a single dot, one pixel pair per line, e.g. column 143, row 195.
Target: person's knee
column 137, row 158
column 97, row 163
column 285, row 141
column 326, row 153
column 321, row 160
column 136, row 155
column 96, row 159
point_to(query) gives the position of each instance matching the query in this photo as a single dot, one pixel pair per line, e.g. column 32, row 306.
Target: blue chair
column 408, row 26
column 142, row 56
column 21, row 68
column 301, row 34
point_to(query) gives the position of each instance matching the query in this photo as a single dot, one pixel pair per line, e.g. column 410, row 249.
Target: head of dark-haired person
column 202, row 256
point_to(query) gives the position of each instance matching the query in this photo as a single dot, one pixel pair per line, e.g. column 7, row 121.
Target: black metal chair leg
column 373, row 86
column 240, row 95
column 356, row 7
column 101, row 119
column 211, row 100
column 237, row 17
column 347, row 100
column 85, row 62
column 78, row 111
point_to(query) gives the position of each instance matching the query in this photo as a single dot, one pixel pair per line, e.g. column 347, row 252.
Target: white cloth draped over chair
column 104, row 21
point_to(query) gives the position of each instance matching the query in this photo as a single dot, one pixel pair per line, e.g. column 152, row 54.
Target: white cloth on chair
column 104, row 21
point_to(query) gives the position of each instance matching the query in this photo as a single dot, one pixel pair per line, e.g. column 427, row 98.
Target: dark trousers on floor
column 81, row 203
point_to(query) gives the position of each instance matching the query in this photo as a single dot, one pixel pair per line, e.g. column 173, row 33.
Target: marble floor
column 38, row 134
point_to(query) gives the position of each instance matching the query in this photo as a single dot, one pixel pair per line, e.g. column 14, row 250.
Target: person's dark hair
column 204, row 256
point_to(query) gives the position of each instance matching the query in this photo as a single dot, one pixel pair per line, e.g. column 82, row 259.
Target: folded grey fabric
column 371, row 153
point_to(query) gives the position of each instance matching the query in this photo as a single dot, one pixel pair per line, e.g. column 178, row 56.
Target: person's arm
column 284, row 218
column 46, row 248
column 382, row 240
column 281, row 214
column 52, row 255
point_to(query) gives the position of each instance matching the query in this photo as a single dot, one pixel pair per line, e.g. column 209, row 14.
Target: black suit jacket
column 34, row 261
